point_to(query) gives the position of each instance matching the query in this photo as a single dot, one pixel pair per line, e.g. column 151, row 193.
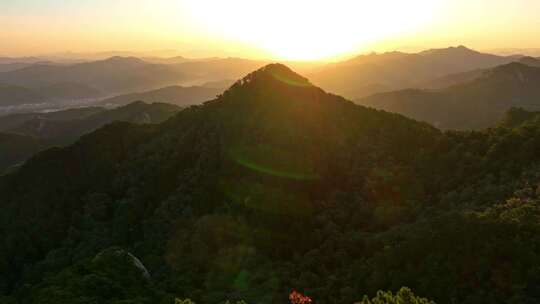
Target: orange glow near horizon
column 311, row 30
column 279, row 29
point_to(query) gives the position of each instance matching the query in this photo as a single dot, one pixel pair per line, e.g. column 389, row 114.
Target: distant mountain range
column 17, row 95
column 116, row 74
column 368, row 74
column 530, row 61
column 22, row 135
column 534, row 52
column 14, row 95
column 31, row 82
column 64, row 126
column 9, row 122
column 217, row 69
column 167, row 60
column 183, row 81
column 354, row 78
column 177, row 95
column 27, row 60
column 7, row 67
column 463, row 77
column 476, row 104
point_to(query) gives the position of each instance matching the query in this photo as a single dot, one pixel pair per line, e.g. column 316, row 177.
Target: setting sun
column 307, row 30
column 278, row 30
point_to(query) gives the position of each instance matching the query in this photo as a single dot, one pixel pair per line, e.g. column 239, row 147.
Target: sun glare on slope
column 307, row 29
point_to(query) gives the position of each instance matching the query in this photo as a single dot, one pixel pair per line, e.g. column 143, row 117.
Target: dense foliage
column 15, row 148
column 404, row 295
column 277, row 186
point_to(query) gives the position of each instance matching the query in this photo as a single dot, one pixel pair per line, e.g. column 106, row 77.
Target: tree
column 403, row 296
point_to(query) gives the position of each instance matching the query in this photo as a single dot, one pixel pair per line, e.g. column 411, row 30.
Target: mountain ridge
column 178, row 95
column 477, row 104
column 397, row 70
column 34, row 132
column 115, row 74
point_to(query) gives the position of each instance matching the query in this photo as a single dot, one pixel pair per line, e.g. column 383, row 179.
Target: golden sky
column 279, row 29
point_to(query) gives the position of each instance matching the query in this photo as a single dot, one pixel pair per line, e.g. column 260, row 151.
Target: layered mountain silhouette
column 126, row 74
column 530, row 61
column 14, row 120
column 167, row 60
column 359, row 76
column 116, row 74
column 13, row 95
column 64, row 129
column 451, row 80
column 464, row 77
column 28, row 60
column 218, row 69
column 6, row 67
column 33, row 132
column 477, row 104
column 68, row 91
column 177, row 95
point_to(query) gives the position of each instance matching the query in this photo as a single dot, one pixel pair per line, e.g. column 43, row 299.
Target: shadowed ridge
column 509, row 67
column 454, row 50
column 513, row 71
column 515, row 117
column 122, row 60
column 376, row 57
column 530, row 61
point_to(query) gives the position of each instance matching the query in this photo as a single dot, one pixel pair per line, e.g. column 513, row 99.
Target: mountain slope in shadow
column 477, row 104
column 26, row 134
column 357, row 77
column 177, row 95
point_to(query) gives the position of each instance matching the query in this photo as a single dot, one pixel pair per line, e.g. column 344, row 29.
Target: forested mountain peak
column 275, row 88
column 272, row 73
column 289, row 108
